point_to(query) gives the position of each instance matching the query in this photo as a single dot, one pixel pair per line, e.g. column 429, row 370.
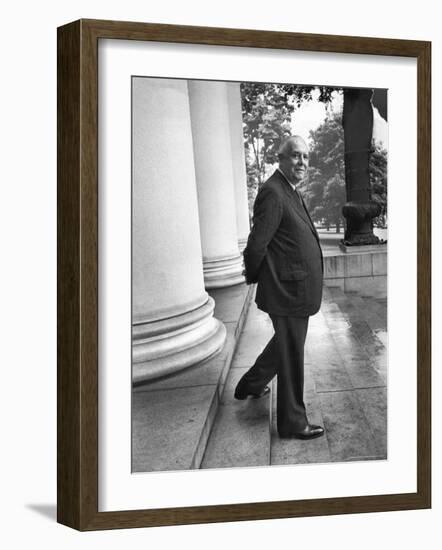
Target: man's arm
column 267, row 213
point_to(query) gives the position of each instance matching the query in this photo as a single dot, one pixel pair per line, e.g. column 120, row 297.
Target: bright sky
column 312, row 113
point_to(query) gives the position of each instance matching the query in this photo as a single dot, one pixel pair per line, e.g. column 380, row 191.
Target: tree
column 325, row 189
column 267, row 117
column 378, row 180
column 268, row 111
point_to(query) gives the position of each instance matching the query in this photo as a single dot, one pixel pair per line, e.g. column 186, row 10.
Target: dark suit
column 284, row 257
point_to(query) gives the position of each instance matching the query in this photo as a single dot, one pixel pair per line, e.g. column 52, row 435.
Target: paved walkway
column 191, row 420
column 345, row 390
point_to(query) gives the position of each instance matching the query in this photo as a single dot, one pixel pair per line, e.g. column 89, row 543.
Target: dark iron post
column 359, row 209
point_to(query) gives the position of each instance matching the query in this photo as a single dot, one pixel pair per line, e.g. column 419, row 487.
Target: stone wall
column 364, row 272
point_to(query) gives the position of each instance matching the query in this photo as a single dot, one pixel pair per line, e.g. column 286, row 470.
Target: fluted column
column 238, row 163
column 173, row 323
column 214, row 176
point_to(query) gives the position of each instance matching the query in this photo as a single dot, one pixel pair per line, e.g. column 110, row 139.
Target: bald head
column 289, row 144
column 293, row 159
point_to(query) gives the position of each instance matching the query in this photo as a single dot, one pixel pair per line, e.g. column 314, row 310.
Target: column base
column 222, row 272
column 242, row 244
column 169, row 345
column 359, row 227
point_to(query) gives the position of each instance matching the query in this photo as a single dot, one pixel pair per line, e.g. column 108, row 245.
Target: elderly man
column 284, row 257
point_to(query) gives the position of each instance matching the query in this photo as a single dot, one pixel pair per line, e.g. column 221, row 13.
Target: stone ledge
column 364, row 270
column 357, row 264
column 363, row 249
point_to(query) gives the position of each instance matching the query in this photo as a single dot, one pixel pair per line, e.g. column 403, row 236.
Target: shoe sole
column 303, row 437
column 252, row 395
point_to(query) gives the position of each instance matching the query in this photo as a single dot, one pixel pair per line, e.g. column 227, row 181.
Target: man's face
column 294, row 161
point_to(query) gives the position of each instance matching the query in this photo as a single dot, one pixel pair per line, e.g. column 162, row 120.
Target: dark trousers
column 283, row 356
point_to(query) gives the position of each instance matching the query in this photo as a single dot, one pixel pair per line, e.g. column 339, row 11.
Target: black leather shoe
column 241, row 394
column 309, row 432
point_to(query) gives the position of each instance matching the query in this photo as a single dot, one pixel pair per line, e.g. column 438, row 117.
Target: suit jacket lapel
column 309, row 217
column 298, row 202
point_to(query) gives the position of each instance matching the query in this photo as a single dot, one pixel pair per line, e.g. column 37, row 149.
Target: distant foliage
column 378, row 180
column 325, row 189
column 267, row 111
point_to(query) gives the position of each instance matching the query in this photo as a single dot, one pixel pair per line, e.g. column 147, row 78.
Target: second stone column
column 238, row 163
column 209, row 112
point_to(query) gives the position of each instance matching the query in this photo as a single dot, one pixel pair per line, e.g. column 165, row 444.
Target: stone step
column 322, row 358
column 372, row 311
column 170, row 427
column 374, row 405
column 241, row 431
column 355, row 420
column 172, row 417
column 296, row 451
column 344, row 391
column 349, row 433
column 379, row 307
column 361, row 369
column 257, row 331
column 376, row 322
column 349, row 324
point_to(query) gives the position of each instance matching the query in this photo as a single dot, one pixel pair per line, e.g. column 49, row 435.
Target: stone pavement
column 191, row 420
column 345, row 390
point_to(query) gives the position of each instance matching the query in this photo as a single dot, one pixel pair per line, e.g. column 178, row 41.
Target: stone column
column 172, row 315
column 214, row 177
column 238, row 163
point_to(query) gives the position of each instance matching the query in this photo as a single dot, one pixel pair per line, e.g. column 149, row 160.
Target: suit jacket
column 283, row 254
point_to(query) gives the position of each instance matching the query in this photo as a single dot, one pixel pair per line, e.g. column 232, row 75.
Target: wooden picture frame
column 77, row 224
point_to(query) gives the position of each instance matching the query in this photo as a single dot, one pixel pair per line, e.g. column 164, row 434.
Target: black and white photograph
column 221, row 250
column 259, row 274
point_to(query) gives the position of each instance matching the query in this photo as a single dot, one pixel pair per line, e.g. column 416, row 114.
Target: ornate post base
column 359, row 227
